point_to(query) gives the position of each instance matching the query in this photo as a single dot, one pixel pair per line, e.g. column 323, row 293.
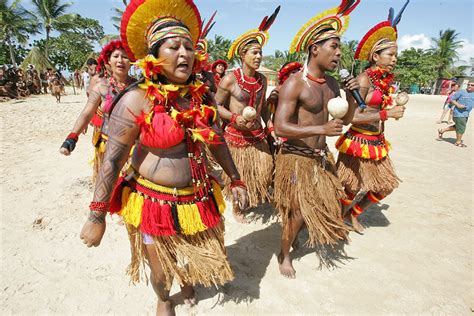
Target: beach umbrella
column 38, row 59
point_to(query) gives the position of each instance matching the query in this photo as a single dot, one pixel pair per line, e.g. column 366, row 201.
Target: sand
column 415, row 257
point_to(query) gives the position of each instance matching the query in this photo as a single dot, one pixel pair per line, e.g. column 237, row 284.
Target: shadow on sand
column 264, row 213
column 373, row 216
column 250, row 257
column 450, row 140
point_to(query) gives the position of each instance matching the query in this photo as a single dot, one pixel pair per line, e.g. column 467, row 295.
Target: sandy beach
column 416, row 256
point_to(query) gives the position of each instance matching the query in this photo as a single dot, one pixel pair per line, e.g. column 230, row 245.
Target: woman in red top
column 219, row 68
column 169, row 203
column 363, row 161
column 101, row 95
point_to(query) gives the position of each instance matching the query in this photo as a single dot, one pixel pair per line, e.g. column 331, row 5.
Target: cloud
column 466, row 52
column 414, row 41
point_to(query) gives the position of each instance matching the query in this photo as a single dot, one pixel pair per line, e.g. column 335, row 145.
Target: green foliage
column 36, row 58
column 347, row 57
column 50, row 14
column 19, row 52
column 279, row 58
column 445, row 49
column 68, row 51
column 218, row 48
column 417, row 66
column 16, row 25
column 74, row 23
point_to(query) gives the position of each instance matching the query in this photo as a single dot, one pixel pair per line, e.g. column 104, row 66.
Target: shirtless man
column 307, row 189
column 245, row 88
column 247, row 139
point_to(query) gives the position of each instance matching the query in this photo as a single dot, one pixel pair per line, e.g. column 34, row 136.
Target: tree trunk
column 12, row 51
column 46, row 45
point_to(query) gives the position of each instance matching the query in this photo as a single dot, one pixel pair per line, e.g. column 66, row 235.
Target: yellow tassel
column 219, row 197
column 132, row 211
column 190, row 219
column 344, row 146
column 365, row 151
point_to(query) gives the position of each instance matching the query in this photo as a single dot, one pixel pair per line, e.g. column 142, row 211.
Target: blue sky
column 422, row 19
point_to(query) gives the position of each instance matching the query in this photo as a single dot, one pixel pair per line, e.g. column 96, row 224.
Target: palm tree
column 347, row 59
column 16, row 24
column 36, row 57
column 117, row 18
column 445, row 49
column 218, row 48
column 52, row 16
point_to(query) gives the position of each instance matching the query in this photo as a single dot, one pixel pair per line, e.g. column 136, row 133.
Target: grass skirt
column 255, row 166
column 187, row 233
column 309, row 185
column 377, row 176
column 191, row 259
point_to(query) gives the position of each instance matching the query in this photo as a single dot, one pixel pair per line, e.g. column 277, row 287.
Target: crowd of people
column 17, row 84
column 171, row 146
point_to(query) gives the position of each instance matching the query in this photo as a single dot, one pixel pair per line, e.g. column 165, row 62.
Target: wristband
column 237, row 183
column 73, row 136
column 270, row 130
column 383, row 115
column 99, row 206
column 233, row 119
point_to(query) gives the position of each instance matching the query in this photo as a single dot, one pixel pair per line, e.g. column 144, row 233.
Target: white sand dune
column 415, row 257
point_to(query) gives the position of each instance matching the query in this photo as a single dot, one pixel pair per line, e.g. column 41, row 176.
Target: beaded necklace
column 197, row 119
column 317, row 80
column 249, row 84
column 381, row 80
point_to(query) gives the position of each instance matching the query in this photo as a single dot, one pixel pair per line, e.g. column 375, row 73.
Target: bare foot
column 165, row 308
column 240, row 217
column 358, row 228
column 189, row 297
column 286, row 266
column 440, row 134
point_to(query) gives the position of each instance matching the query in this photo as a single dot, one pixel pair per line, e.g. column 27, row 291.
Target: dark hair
column 91, row 61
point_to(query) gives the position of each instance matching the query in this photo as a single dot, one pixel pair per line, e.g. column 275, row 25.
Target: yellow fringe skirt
column 186, row 234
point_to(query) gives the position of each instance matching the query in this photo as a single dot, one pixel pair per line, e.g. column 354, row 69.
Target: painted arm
column 93, row 102
column 122, row 134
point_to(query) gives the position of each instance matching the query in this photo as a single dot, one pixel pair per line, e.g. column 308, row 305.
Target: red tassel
column 156, row 219
column 372, row 152
column 209, row 215
column 116, row 199
column 96, row 120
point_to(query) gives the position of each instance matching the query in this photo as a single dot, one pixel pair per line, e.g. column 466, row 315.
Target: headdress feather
column 268, row 21
column 397, row 19
column 382, row 35
column 346, row 7
column 209, row 25
column 259, row 34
